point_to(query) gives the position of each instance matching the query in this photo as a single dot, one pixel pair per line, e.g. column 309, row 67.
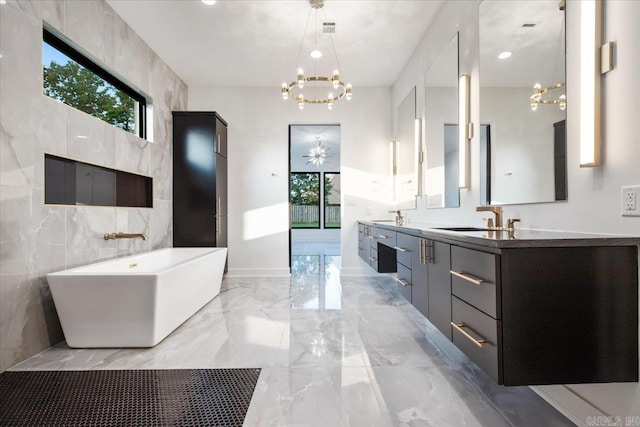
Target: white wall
column 522, row 145
column 594, row 193
column 37, row 239
column 258, row 169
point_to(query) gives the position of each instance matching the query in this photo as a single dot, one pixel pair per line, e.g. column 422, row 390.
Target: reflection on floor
column 333, row 352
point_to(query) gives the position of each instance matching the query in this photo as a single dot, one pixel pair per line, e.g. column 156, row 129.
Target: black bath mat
column 185, row 397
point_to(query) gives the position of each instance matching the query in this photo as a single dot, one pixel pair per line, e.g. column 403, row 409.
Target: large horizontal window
column 74, row 79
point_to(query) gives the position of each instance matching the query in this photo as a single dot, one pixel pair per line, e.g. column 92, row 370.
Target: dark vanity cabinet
column 199, row 179
column 440, row 287
column 420, row 258
column 551, row 309
column 405, row 247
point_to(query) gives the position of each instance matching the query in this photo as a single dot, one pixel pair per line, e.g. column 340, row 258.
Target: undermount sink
column 461, row 229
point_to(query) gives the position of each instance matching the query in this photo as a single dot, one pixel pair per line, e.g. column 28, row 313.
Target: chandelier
column 316, row 83
column 539, row 92
column 318, row 153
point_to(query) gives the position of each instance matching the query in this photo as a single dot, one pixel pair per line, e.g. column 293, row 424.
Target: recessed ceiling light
column 316, row 54
column 209, row 2
column 504, row 55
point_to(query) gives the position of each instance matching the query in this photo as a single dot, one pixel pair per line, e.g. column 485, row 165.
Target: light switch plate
column 631, row 200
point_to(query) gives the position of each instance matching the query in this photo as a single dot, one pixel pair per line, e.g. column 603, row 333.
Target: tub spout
column 113, row 236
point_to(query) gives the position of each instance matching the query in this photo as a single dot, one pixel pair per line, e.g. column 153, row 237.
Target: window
column 305, row 200
column 72, row 78
column 305, row 196
column 332, row 200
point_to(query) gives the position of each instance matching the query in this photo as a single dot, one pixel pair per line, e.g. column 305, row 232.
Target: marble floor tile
column 334, row 351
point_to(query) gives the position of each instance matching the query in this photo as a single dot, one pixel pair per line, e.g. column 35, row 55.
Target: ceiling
column 533, row 30
column 255, row 43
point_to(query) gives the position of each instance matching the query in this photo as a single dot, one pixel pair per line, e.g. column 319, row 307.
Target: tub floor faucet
column 120, row 235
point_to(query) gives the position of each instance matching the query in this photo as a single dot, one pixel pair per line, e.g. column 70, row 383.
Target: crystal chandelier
column 336, row 87
column 318, row 153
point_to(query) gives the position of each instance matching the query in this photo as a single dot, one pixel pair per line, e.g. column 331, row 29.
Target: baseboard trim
column 569, row 403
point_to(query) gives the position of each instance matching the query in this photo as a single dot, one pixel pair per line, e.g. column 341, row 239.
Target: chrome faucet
column 399, row 217
column 120, row 235
column 497, row 210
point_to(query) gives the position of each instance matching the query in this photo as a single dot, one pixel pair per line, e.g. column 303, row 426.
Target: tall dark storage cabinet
column 199, row 179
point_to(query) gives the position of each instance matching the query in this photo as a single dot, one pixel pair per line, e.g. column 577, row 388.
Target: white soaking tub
column 138, row 300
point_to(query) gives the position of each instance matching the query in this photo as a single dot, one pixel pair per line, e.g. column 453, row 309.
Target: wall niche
column 71, row 182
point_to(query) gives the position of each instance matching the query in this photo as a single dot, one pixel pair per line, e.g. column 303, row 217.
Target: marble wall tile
column 161, row 224
column 86, row 227
column 90, row 24
column 135, row 59
column 162, row 170
column 25, row 120
column 133, row 154
column 51, row 11
column 89, row 139
column 38, row 239
column 132, row 220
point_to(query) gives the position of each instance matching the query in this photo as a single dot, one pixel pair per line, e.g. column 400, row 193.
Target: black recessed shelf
column 71, row 182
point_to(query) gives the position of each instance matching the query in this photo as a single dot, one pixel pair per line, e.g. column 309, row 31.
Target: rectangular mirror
column 441, row 129
column 522, row 101
column 407, row 147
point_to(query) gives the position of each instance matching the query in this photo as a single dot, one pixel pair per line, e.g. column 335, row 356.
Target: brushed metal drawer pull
column 382, row 236
column 403, row 282
column 372, row 237
column 459, row 326
column 467, row 278
column 398, row 248
column 372, row 259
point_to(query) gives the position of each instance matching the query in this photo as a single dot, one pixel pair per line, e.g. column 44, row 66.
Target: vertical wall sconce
column 392, row 167
column 420, row 156
column 465, row 131
column 590, row 35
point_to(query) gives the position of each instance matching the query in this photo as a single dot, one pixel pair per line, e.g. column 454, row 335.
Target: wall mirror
column 441, row 129
column 522, row 101
column 406, row 154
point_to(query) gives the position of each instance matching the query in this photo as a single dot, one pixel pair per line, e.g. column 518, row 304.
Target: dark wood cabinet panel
column 570, row 315
column 440, row 288
column 474, row 278
column 404, row 283
column 199, row 180
column 420, row 275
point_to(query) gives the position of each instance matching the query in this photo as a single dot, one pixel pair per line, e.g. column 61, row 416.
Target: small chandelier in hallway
column 318, row 153
column 321, row 89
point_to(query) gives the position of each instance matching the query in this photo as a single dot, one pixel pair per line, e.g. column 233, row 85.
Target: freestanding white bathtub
column 138, row 300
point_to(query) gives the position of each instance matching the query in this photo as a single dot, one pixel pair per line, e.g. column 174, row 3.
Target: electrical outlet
column 631, row 200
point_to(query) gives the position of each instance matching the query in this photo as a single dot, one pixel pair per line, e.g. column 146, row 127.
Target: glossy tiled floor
column 333, row 352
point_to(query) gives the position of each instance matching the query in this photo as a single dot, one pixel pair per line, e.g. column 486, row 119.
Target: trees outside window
column 73, row 79
column 306, row 196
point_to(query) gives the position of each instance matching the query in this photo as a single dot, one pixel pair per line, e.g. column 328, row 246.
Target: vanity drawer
column 473, row 278
column 383, row 236
column 476, row 334
column 373, row 258
column 404, row 282
column 404, row 247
